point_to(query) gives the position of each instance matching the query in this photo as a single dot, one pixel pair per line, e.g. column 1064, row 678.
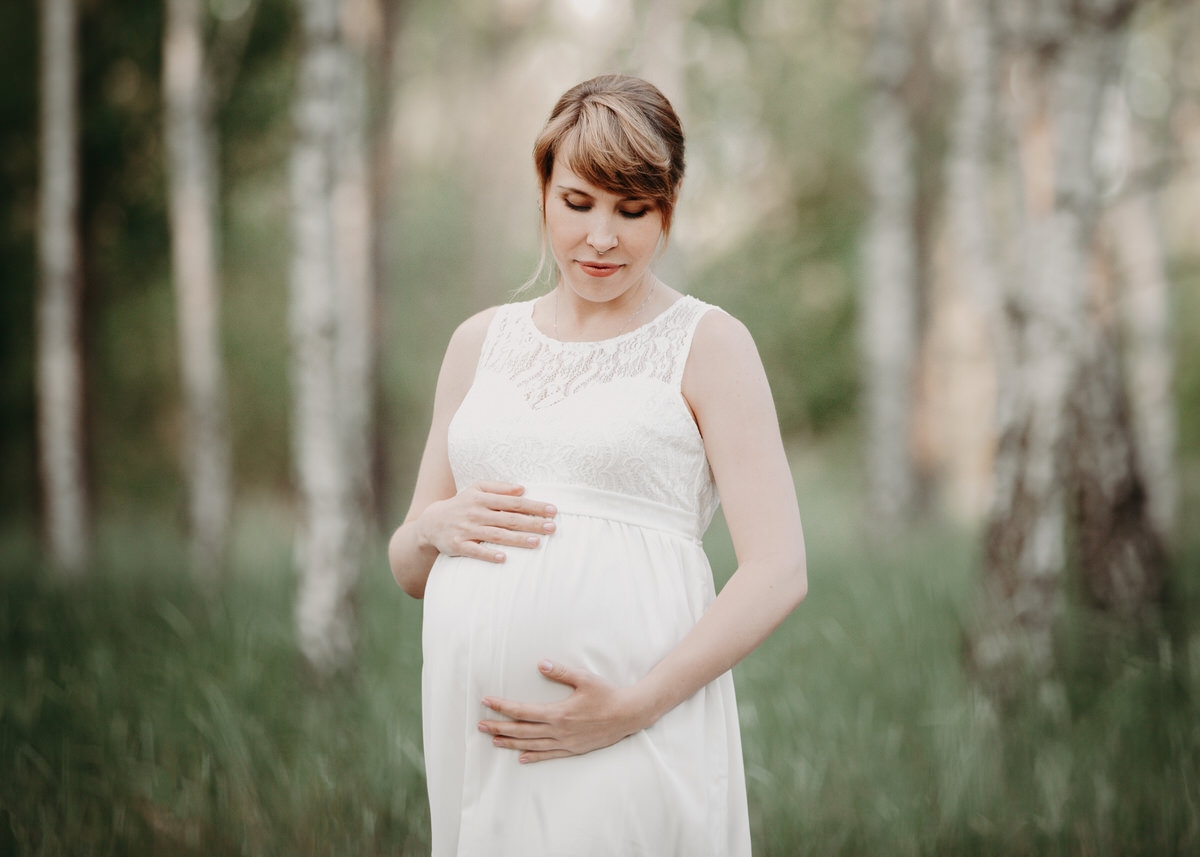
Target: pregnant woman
column 577, row 698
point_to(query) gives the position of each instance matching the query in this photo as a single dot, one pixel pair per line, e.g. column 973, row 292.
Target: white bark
column 976, row 319
column 1025, row 540
column 889, row 288
column 330, row 540
column 59, row 366
column 957, row 397
column 1135, row 235
column 969, row 172
column 192, row 192
column 1064, row 453
column 1025, row 545
column 1119, row 550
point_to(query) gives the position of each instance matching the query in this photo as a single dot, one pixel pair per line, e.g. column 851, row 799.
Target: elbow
column 414, row 587
column 412, row 584
column 797, row 582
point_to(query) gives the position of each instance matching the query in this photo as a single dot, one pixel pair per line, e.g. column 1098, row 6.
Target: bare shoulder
column 722, row 348
column 469, row 335
column 719, row 334
column 462, row 356
column 467, row 340
column 724, row 373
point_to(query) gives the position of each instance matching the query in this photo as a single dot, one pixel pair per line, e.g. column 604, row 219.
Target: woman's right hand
column 482, row 517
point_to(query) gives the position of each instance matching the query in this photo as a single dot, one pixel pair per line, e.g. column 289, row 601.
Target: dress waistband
column 615, row 506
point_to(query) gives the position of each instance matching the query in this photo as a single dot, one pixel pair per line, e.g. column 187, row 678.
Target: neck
column 577, row 319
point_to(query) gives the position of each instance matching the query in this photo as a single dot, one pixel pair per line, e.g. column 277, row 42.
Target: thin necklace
column 636, row 312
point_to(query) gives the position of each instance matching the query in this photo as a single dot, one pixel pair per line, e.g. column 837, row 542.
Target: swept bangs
column 620, row 134
column 616, row 156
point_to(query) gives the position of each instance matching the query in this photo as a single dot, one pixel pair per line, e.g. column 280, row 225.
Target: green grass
column 144, row 715
column 141, row 714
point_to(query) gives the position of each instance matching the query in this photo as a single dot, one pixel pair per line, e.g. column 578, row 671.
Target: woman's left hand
column 597, row 714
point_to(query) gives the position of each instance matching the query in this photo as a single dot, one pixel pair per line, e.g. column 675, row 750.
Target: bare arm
column 727, row 389
column 441, row 519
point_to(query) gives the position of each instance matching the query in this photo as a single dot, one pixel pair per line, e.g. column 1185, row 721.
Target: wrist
column 644, row 709
column 421, row 532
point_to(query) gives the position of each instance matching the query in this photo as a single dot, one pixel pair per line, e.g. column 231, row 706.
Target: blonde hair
column 619, row 133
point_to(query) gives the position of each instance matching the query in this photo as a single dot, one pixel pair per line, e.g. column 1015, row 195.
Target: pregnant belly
column 601, row 595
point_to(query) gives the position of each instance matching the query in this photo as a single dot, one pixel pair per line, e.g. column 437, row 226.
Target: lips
column 599, row 269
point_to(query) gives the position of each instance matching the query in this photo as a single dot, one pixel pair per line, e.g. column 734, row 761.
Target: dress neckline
column 527, row 316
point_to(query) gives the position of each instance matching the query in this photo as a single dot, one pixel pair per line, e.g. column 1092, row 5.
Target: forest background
column 154, row 702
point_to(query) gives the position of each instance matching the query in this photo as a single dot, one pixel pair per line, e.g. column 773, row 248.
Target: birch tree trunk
column 1065, row 450
column 331, row 531
column 889, row 286
column 59, row 365
column 1024, row 542
column 192, row 193
column 975, row 259
column 1120, row 551
column 1134, row 232
column 1118, row 548
column 969, row 181
column 1146, row 299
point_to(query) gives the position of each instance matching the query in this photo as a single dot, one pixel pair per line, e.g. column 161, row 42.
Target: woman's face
column 603, row 243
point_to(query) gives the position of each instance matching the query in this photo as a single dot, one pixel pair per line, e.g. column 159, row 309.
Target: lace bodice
column 607, row 414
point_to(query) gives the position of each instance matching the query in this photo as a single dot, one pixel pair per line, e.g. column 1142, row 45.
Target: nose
column 601, row 235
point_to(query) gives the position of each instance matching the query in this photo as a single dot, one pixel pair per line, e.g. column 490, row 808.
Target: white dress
column 601, row 430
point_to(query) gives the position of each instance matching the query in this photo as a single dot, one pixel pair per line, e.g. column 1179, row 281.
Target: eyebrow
column 568, row 189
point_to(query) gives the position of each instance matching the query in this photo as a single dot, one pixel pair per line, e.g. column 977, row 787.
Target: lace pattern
column 548, row 370
column 606, row 414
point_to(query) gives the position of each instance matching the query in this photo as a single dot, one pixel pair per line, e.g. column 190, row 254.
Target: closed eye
column 627, row 214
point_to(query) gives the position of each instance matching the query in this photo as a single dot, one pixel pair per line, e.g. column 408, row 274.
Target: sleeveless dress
column 601, row 430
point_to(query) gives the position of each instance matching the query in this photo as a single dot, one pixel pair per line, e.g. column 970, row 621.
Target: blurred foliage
column 791, row 280
column 772, row 95
column 130, row 351
column 18, row 208
column 141, row 713
column 1187, row 351
column 149, row 717
column 801, row 311
column 255, row 136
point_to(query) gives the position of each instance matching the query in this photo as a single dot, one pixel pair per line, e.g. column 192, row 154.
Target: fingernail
column 532, row 540
column 523, row 760
column 482, row 728
column 499, row 557
column 496, row 742
column 550, row 510
column 545, row 666
column 548, row 526
column 487, row 703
